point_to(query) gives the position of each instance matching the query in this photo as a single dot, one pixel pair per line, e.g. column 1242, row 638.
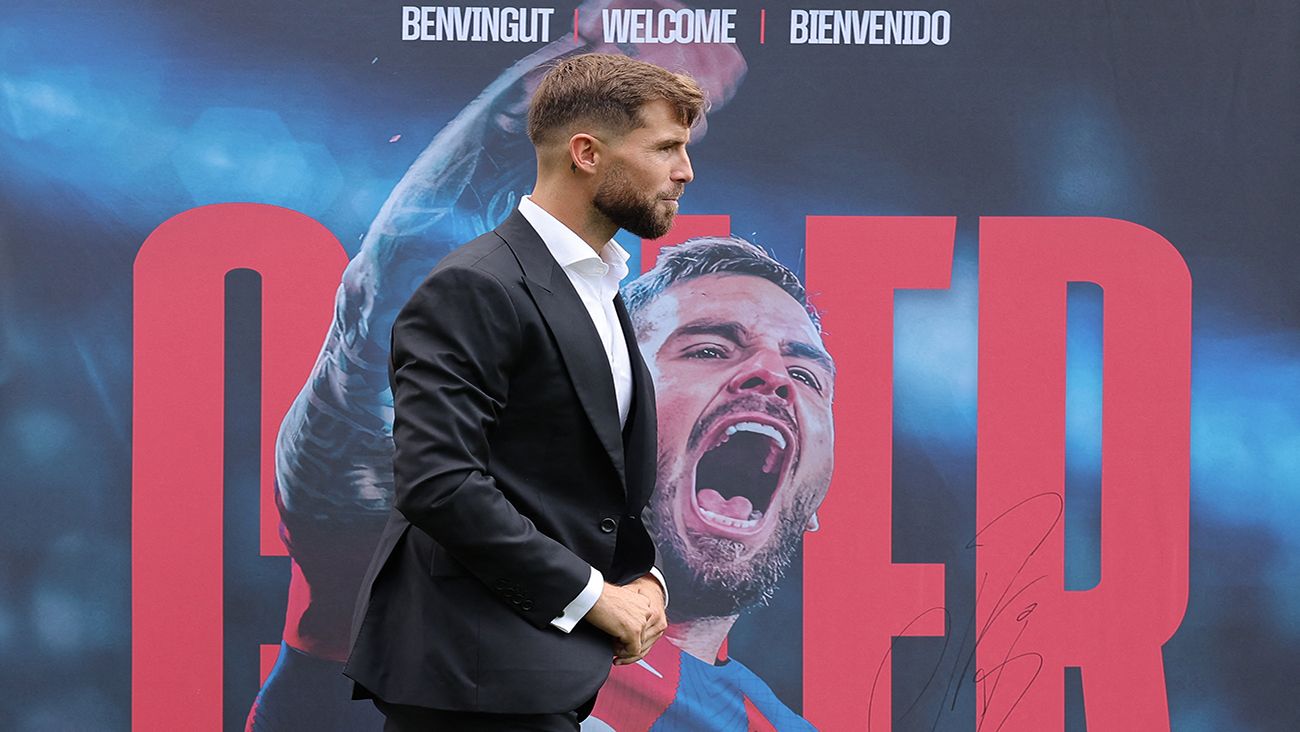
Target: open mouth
column 740, row 474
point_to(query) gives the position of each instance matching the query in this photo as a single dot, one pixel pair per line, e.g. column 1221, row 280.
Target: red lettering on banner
column 177, row 441
column 856, row 599
column 1029, row 627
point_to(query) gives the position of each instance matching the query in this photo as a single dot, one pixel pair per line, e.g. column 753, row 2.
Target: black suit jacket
column 512, row 476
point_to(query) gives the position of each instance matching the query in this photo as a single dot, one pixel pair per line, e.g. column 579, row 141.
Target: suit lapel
column 570, row 324
column 640, row 434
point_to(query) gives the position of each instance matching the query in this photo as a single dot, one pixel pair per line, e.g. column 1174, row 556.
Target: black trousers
column 403, row 718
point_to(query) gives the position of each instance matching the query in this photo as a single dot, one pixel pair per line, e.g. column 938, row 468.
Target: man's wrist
column 658, row 578
column 582, row 604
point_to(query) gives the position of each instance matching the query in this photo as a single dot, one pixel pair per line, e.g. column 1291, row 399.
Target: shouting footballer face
column 744, row 390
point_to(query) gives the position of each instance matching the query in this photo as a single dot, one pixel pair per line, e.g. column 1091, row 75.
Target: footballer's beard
column 713, row 576
column 620, row 202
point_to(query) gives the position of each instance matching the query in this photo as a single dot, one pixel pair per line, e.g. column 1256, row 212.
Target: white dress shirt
column 596, row 279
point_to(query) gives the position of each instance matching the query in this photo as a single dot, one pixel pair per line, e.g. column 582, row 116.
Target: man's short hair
column 709, row 255
column 607, row 90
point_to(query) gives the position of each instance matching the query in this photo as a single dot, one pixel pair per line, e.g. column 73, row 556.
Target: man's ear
column 813, row 524
column 583, row 153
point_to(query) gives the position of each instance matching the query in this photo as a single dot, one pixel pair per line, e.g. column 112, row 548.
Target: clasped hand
column 633, row 615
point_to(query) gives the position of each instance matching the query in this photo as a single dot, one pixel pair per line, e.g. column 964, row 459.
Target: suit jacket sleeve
column 454, row 345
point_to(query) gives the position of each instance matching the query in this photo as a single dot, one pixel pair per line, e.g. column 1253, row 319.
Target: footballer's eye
column 806, row 377
column 707, row 351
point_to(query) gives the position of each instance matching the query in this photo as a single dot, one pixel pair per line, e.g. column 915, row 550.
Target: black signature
column 987, row 680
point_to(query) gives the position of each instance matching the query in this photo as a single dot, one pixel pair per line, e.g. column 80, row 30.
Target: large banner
column 975, row 348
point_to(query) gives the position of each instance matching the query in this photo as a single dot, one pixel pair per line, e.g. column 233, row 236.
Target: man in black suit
column 515, row 564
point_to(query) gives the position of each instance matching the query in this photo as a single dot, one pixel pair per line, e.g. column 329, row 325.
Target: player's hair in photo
column 709, row 255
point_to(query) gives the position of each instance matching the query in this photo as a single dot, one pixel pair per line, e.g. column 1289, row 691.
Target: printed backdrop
column 1052, row 249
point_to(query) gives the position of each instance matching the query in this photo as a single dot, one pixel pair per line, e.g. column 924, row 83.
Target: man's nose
column 764, row 374
column 682, row 172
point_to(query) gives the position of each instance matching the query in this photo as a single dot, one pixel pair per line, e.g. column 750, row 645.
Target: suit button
column 526, row 605
column 608, row 525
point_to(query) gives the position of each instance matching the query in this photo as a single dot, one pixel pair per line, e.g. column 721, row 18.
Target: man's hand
column 648, row 587
column 623, row 613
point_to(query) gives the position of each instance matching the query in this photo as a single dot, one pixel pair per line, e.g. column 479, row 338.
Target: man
column 515, row 564
column 745, row 455
column 334, row 453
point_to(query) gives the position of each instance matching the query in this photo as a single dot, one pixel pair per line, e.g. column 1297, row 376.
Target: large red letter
column 1030, row 628
column 856, row 599
column 176, row 547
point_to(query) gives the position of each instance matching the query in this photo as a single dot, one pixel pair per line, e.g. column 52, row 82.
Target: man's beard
column 624, row 205
column 707, row 576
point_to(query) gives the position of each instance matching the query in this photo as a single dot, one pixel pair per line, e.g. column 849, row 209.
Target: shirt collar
column 568, row 248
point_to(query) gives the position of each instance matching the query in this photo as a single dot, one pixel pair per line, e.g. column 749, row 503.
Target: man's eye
column 706, row 352
column 806, row 377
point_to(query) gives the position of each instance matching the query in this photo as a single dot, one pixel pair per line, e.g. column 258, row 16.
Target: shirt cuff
column 662, row 584
column 581, row 604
